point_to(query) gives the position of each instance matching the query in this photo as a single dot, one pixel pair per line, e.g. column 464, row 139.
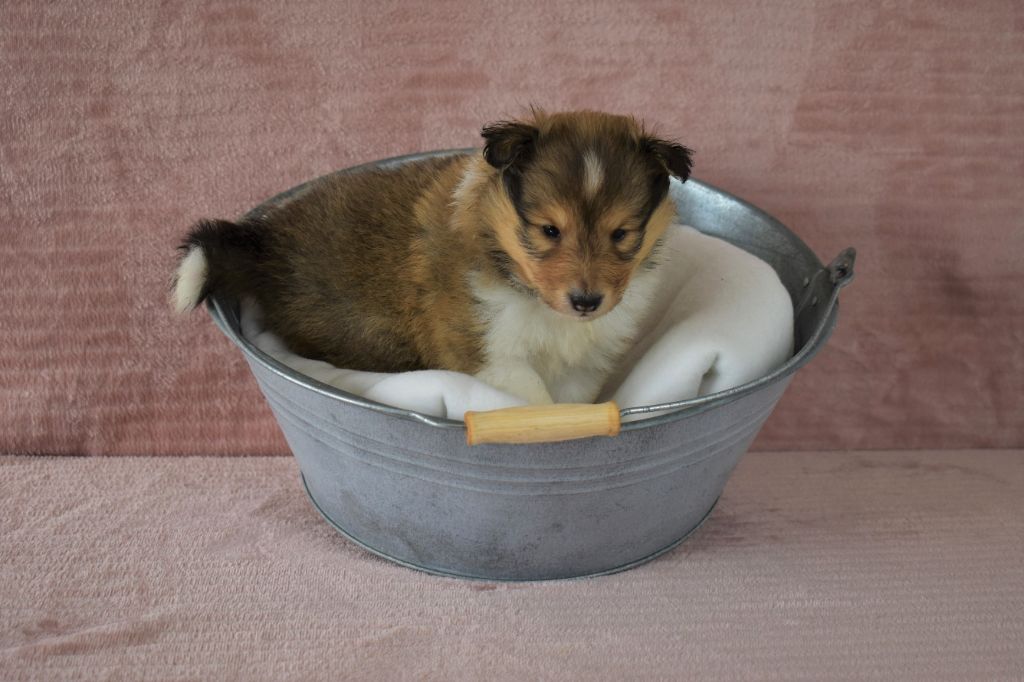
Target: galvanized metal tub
column 408, row 487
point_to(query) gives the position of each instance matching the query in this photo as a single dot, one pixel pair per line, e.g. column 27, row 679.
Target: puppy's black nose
column 585, row 302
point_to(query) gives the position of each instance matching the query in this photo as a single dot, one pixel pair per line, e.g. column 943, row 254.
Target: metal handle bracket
column 840, row 270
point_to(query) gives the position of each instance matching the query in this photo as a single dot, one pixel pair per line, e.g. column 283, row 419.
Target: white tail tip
column 189, row 281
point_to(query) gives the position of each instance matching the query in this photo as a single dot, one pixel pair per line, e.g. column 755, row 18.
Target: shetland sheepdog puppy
column 528, row 266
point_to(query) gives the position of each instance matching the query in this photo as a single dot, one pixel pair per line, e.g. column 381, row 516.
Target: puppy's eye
column 618, row 235
column 551, row 231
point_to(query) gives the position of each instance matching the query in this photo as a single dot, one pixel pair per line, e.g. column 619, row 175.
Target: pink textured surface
column 894, row 127
column 816, row 565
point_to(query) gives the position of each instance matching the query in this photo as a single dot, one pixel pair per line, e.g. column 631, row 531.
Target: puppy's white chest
column 523, row 327
column 572, row 358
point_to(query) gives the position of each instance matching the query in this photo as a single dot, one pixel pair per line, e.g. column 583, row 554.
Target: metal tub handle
column 542, row 423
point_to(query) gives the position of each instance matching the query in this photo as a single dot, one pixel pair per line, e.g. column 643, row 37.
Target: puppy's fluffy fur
column 527, row 265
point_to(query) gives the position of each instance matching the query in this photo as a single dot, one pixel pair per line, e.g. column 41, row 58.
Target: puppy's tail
column 221, row 257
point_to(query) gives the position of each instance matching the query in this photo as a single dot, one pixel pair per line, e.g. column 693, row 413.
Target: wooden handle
column 542, row 423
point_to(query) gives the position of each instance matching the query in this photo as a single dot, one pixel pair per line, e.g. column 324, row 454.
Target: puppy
column 528, row 266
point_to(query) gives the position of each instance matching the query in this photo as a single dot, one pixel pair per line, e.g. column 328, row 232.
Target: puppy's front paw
column 579, row 385
column 534, row 395
column 518, row 379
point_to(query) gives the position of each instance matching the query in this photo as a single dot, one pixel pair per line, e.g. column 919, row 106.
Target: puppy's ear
column 508, row 142
column 677, row 159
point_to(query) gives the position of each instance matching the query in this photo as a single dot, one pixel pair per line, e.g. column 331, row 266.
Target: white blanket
column 721, row 318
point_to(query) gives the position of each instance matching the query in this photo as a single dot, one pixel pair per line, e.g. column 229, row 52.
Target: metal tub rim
column 840, row 271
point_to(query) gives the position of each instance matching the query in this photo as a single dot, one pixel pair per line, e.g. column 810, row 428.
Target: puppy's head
column 580, row 200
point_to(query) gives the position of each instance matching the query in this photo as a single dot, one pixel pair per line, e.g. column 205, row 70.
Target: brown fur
column 371, row 270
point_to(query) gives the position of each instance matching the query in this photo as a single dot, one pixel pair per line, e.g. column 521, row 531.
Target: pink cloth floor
column 814, row 566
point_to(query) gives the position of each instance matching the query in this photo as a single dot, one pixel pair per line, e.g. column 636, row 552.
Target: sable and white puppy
column 528, row 266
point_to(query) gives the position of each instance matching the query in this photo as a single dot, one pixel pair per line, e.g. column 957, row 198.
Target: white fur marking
column 574, row 358
column 190, row 280
column 593, row 173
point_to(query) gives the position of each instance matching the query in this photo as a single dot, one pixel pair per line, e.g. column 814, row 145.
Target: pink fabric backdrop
column 896, row 127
